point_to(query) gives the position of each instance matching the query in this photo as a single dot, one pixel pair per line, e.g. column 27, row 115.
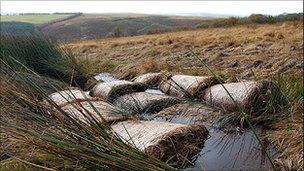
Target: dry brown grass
column 288, row 137
column 28, row 157
column 263, row 49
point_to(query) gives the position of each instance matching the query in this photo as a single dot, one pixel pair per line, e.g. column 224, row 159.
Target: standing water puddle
column 221, row 151
column 229, row 151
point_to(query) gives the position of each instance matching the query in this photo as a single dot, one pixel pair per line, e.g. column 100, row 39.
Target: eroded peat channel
column 228, row 148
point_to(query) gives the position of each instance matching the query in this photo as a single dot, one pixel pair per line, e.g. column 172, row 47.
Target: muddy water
column 237, row 150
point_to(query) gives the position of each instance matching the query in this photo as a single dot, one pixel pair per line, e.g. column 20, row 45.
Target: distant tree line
column 252, row 19
column 117, row 32
column 79, row 13
column 157, row 31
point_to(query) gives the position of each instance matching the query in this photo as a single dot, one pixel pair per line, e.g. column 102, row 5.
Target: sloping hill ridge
column 93, row 26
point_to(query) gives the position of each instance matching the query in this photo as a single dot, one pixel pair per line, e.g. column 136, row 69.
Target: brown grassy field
column 246, row 51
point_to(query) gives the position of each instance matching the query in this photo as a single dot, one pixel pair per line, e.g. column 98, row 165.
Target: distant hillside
column 65, row 27
column 92, row 26
column 211, row 15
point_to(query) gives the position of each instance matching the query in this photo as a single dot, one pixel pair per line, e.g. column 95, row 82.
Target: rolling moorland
column 90, row 26
column 77, row 26
column 235, row 52
column 266, row 50
column 64, row 27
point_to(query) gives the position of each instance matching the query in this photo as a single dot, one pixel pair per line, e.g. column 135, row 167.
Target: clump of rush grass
column 34, row 51
column 288, row 130
column 91, row 147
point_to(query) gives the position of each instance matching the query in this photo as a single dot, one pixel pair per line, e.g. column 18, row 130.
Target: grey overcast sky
column 154, row 7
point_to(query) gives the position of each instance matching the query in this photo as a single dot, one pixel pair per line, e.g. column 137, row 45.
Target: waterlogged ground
column 239, row 151
column 235, row 149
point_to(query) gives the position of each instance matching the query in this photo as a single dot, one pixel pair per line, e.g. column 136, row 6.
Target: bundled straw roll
column 186, row 85
column 90, row 84
column 144, row 102
column 111, row 90
column 151, row 79
column 250, row 96
column 99, row 111
column 61, row 98
column 168, row 142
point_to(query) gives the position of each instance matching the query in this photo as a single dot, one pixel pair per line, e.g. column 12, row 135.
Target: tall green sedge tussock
column 288, row 132
column 34, row 51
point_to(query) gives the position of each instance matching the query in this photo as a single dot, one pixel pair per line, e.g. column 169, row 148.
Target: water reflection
column 236, row 150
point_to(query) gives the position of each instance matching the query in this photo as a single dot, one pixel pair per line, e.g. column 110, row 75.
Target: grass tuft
column 40, row 55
